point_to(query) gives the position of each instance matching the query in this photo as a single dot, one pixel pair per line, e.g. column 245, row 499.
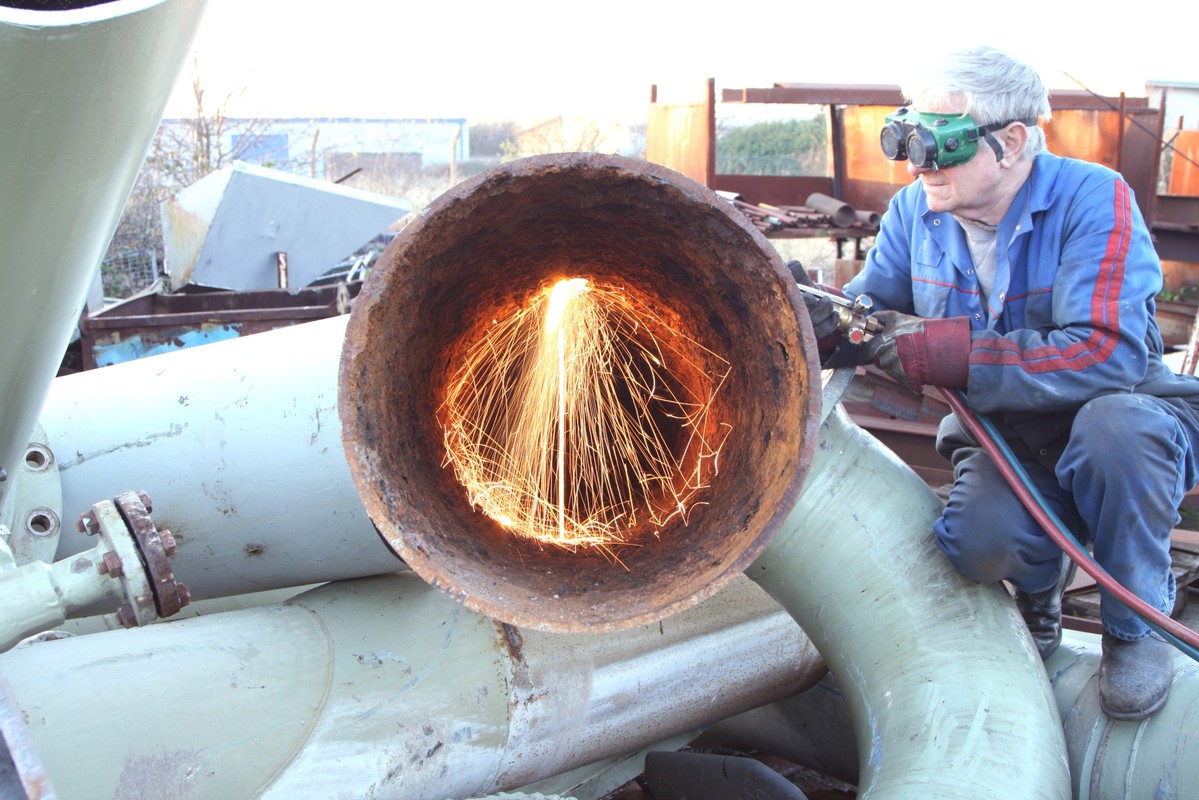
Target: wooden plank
column 818, row 94
column 1182, row 539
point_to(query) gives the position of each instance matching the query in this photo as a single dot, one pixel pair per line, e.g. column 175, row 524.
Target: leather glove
column 821, row 311
column 920, row 352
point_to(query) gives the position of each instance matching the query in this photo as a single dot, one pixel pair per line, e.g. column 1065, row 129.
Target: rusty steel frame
column 1135, row 148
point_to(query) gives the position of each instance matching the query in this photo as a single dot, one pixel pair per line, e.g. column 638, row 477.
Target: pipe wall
column 384, row 687
column 713, row 300
column 82, row 94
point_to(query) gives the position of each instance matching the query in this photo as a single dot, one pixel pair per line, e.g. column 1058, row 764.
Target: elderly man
column 1029, row 280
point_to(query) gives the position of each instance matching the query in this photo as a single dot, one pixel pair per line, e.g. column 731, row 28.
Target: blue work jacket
column 1071, row 312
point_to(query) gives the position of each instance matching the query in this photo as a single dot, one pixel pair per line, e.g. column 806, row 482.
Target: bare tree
column 558, row 135
column 183, row 151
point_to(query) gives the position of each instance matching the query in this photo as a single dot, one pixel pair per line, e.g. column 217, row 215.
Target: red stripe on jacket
column 1105, row 312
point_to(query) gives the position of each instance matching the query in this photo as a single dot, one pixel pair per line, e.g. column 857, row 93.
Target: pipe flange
column 32, row 508
column 106, row 521
column 155, row 547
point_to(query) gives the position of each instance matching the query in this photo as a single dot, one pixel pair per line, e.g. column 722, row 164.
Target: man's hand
column 919, row 352
column 821, row 311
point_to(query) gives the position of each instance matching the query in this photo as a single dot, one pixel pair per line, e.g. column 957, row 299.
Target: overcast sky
column 532, row 59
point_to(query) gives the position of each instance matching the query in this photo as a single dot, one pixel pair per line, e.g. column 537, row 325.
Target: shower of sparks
column 579, row 419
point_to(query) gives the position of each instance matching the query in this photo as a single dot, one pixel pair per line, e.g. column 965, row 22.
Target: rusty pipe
column 479, row 251
column 842, row 213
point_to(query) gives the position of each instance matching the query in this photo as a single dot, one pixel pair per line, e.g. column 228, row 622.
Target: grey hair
column 994, row 86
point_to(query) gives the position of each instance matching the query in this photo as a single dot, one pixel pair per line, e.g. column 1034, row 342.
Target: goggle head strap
column 986, row 130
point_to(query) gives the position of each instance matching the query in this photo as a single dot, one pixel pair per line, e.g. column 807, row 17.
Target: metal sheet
column 682, row 137
column 226, row 229
column 154, row 323
column 818, row 93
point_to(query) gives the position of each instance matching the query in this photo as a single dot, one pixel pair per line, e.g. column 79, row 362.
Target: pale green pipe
column 38, row 596
column 81, row 94
column 198, row 708
column 946, row 691
column 1156, row 757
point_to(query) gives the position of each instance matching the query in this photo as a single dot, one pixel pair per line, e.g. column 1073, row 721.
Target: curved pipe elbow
column 944, row 685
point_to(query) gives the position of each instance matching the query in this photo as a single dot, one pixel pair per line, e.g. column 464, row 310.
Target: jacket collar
column 1034, row 196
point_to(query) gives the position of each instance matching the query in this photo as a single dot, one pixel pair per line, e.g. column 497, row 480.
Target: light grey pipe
column 82, row 93
column 238, row 445
column 384, row 687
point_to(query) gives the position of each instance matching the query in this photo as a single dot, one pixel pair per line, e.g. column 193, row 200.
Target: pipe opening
column 674, row 275
column 584, row 420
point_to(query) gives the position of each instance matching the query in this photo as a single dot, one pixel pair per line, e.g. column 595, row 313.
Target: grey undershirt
column 980, row 238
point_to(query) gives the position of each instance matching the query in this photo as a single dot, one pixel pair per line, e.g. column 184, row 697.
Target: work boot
column 1135, row 677
column 1042, row 611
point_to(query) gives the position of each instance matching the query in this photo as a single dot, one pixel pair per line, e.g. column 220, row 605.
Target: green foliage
column 1190, row 518
column 1183, row 295
column 787, row 147
column 509, row 150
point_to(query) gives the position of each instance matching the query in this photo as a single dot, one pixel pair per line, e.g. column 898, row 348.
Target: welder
column 1028, row 280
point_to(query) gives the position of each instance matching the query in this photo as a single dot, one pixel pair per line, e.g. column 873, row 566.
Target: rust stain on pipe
column 479, row 252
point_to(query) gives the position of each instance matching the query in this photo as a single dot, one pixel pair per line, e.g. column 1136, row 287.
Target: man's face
column 971, row 189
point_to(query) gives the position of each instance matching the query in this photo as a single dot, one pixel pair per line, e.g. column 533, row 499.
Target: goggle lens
column 891, row 139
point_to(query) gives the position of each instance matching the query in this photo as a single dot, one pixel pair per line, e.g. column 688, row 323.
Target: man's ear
column 1012, row 139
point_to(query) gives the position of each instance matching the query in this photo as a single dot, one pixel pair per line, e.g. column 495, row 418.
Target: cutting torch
column 853, row 316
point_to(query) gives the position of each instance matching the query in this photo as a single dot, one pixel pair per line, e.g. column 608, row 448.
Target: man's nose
column 914, row 170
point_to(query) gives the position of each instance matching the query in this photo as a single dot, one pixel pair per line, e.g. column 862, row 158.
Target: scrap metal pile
column 818, row 212
column 355, row 627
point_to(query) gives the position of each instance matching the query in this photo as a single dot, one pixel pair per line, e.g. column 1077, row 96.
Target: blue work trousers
column 1118, row 485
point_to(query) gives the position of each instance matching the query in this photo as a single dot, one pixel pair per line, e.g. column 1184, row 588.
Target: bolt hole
column 37, row 458
column 42, row 522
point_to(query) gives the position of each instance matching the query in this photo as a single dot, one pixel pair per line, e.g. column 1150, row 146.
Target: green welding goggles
column 937, row 141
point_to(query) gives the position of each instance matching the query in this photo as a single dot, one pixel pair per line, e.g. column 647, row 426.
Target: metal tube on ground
column 84, row 89
column 869, row 218
column 386, row 687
